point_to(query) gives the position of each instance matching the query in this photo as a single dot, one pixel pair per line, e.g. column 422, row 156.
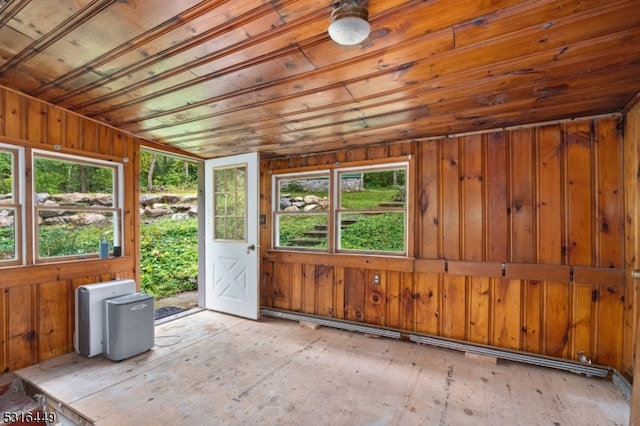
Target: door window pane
column 229, row 203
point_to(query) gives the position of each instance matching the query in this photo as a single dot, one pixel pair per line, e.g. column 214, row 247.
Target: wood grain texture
column 500, row 259
column 37, row 309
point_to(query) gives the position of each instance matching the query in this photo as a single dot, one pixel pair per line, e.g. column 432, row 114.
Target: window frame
column 17, row 204
column 339, row 210
column 117, row 209
column 333, row 171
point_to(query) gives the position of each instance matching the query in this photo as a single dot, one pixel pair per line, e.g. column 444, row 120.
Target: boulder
column 6, row 221
column 84, row 219
column 41, row 197
column 171, row 199
column 148, row 200
column 180, row 216
column 181, row 207
column 311, row 199
column 156, row 212
column 102, row 200
column 71, row 199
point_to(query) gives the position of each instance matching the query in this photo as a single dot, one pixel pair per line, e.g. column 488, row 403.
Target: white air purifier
column 87, row 338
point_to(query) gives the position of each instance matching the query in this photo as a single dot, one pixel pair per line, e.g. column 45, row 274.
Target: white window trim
column 118, row 208
column 333, row 173
column 336, row 211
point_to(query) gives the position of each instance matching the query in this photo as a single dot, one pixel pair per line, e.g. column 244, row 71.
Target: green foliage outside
column 7, row 243
column 67, row 240
column 168, row 173
column 169, row 253
column 367, row 200
column 378, row 232
column 294, row 227
column 6, row 185
column 168, row 248
column 384, row 179
column 58, row 177
column 381, row 232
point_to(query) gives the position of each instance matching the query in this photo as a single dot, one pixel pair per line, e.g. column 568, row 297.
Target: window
column 10, row 206
column 370, row 215
column 76, row 206
column 229, row 203
column 302, row 211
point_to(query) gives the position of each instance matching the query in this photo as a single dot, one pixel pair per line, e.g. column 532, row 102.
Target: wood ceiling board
column 223, row 51
column 435, row 100
column 520, row 17
column 192, row 139
column 34, row 21
column 464, row 60
column 407, row 23
column 154, row 42
column 133, row 84
column 218, row 119
column 321, row 78
column 254, row 100
column 208, row 88
column 186, row 73
column 294, row 64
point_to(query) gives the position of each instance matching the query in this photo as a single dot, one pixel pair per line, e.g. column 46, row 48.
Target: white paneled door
column 231, row 235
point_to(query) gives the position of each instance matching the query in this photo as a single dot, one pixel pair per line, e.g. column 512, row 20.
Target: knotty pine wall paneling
column 518, row 245
column 37, row 311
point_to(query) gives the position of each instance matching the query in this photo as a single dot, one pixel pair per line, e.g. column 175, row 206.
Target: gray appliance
column 87, row 336
column 128, row 326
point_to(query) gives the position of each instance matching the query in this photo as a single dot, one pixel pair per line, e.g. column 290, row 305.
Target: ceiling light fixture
column 349, row 23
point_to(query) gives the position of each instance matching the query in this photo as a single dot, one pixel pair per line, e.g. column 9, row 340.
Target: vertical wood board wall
column 37, row 301
column 519, row 244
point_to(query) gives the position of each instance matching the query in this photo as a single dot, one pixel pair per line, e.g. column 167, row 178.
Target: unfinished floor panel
column 210, row 368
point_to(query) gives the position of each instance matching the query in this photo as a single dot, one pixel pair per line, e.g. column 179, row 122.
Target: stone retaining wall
column 151, row 206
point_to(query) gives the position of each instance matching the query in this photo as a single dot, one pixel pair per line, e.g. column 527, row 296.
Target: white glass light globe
column 349, row 30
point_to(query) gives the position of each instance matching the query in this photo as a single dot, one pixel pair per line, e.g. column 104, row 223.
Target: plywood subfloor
column 209, row 368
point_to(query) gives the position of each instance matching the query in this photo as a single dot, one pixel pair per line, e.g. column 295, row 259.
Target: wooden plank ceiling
column 215, row 78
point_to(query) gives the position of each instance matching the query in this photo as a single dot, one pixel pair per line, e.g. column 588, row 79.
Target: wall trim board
column 430, row 266
column 538, row 272
column 29, row 275
column 341, row 259
column 475, row 268
column 599, row 276
column 513, row 271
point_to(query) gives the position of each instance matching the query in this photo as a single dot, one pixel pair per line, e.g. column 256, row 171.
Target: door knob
column 250, row 248
column 635, row 274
